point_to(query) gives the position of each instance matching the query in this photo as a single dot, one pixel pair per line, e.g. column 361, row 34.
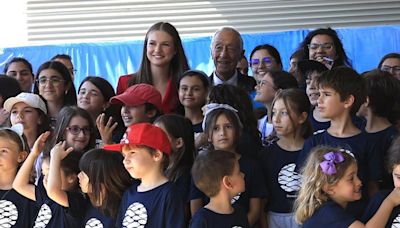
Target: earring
column 66, row 91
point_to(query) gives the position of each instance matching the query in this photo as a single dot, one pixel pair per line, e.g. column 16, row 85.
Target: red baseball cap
column 143, row 134
column 139, row 94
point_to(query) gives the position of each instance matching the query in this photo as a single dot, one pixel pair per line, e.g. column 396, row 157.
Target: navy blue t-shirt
column 329, row 215
column 373, row 206
column 370, row 167
column 16, row 210
column 381, row 141
column 317, row 125
column 282, row 181
column 53, row 214
column 94, row 218
column 198, row 128
column 157, row 208
column 183, row 185
column 254, row 185
column 205, row 218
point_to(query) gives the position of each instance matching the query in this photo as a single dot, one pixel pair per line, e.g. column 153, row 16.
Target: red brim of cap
column 113, row 147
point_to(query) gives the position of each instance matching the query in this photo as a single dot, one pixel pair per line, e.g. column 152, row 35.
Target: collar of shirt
column 232, row 81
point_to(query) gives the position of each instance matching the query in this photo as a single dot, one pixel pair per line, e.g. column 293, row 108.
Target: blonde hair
column 311, row 195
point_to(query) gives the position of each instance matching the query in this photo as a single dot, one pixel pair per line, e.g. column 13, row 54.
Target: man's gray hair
column 229, row 29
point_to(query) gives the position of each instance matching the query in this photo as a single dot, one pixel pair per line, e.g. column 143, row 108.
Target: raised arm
column 21, row 182
column 54, row 190
column 382, row 215
column 107, row 129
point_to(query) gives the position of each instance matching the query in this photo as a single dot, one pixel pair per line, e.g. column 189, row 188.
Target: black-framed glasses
column 266, row 60
column 389, row 68
column 55, row 81
column 75, row 130
column 324, row 46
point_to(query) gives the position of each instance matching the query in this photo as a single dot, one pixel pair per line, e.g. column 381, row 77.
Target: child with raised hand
column 104, row 179
column 53, row 212
column 16, row 210
column 218, row 175
column 329, row 183
column 152, row 201
column 393, row 167
column 290, row 110
column 223, row 127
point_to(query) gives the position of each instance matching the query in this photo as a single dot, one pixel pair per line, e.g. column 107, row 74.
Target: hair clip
column 214, row 106
column 331, row 158
column 19, row 130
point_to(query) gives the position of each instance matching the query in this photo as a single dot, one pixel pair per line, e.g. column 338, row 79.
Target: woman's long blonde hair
column 311, row 195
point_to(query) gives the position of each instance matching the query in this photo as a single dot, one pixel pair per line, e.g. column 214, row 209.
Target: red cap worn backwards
column 143, row 134
column 139, row 94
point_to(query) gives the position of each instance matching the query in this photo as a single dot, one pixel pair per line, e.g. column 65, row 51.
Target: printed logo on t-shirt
column 236, row 227
column 43, row 217
column 288, row 179
column 135, row 216
column 235, row 198
column 8, row 213
column 396, row 222
column 94, row 223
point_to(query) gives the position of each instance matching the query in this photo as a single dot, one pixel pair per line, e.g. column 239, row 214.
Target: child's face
column 223, row 134
column 311, row 88
column 77, row 140
column 134, row 114
column 283, row 125
column 91, row 99
column 192, row 93
column 396, row 176
column 176, row 144
column 237, row 180
column 25, row 115
column 329, row 103
column 67, row 182
column 10, row 157
column 84, row 182
column 265, row 89
column 348, row 188
column 138, row 161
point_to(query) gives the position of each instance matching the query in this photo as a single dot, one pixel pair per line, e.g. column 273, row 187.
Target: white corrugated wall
column 67, row 21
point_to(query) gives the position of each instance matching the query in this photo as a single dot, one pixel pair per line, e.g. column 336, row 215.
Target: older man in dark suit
column 226, row 51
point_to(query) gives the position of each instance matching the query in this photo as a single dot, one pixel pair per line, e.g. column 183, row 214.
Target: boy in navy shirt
column 217, row 174
column 342, row 92
column 382, row 109
column 151, row 202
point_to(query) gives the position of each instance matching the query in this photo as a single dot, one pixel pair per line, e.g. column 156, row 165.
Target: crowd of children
column 316, row 147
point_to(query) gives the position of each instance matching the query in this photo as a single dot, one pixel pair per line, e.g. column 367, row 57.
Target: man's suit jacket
column 245, row 82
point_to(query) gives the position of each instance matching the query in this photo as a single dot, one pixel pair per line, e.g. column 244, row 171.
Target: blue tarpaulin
column 365, row 46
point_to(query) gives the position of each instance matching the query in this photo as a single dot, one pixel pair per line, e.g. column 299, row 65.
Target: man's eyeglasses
column 324, row 46
column 266, row 60
column 389, row 68
column 75, row 130
column 54, row 81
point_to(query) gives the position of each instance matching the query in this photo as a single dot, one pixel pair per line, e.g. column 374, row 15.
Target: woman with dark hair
column 163, row 61
column 9, row 87
column 20, row 69
column 324, row 45
column 94, row 94
column 391, row 63
column 54, row 84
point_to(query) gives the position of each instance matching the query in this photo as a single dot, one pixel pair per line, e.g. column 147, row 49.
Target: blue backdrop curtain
column 365, row 46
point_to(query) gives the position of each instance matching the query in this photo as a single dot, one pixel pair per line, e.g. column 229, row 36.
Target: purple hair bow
column 331, row 158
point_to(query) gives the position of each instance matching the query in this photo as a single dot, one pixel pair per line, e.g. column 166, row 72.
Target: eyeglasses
column 54, row 81
column 75, row 130
column 324, row 46
column 264, row 82
column 389, row 68
column 266, row 60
